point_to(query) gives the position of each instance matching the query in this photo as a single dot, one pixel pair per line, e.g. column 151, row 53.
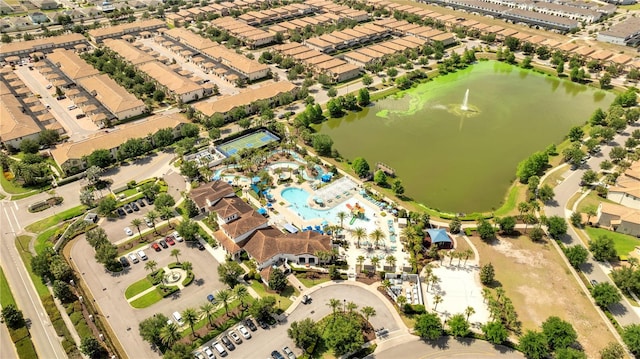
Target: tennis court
column 253, row 140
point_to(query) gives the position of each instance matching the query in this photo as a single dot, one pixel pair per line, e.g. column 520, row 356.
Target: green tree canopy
column 230, row 273
column 603, row 249
column 344, row 335
column 560, row 334
column 495, row 332
column 428, row 326
column 12, row 316
column 487, row 274
column 577, row 255
column 304, row 333
column 277, row 280
column 605, row 294
column 360, row 166
column 534, row 345
column 631, row 337
column 458, row 325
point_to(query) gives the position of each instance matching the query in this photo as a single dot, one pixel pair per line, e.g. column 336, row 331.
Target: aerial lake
column 459, row 160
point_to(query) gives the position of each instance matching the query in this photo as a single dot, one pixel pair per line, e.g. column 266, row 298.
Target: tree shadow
column 587, row 268
column 175, row 296
column 441, row 343
column 199, row 282
column 617, row 309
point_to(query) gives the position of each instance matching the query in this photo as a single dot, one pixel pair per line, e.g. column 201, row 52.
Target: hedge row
column 189, row 279
column 59, row 325
column 167, row 290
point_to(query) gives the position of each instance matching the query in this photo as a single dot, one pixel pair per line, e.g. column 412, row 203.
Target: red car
column 170, row 241
column 156, row 246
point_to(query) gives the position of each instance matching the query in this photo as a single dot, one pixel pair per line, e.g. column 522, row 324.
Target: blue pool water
column 297, row 199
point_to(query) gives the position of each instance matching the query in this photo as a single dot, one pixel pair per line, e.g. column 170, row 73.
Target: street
column 622, row 311
column 445, row 347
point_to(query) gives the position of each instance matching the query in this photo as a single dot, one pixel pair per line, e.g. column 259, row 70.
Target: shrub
column 174, row 265
column 59, row 326
column 167, row 290
column 418, row 309
column 68, row 345
column 75, row 317
column 189, row 279
column 156, row 277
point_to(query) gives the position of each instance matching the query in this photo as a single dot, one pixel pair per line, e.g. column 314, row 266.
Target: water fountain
column 172, row 277
column 465, row 102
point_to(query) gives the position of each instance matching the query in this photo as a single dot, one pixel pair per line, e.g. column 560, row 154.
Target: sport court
column 253, row 140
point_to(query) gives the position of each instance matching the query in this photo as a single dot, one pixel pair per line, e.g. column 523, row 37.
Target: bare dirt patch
column 536, row 279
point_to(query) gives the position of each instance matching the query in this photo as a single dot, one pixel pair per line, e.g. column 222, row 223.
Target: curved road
column 622, row 311
column 445, row 347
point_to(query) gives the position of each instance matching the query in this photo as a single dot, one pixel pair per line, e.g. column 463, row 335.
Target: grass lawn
column 311, row 282
column 22, row 244
column 556, row 177
column 6, row 297
column 11, row 187
column 591, row 200
column 42, row 241
column 529, row 272
column 137, row 287
column 623, row 243
column 282, row 300
column 54, row 220
column 147, row 300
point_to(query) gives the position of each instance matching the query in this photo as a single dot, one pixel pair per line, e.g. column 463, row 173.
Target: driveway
column 108, row 290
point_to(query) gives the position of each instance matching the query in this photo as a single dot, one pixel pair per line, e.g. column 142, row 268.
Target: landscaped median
column 19, row 333
column 156, row 285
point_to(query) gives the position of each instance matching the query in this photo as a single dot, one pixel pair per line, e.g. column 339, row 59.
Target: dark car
column 128, row 208
column 121, row 212
column 200, row 246
column 170, row 240
column 163, row 244
column 141, row 203
column 211, row 298
column 227, row 343
column 135, row 206
column 156, row 247
column 249, row 323
column 124, row 262
column 149, row 200
column 61, row 98
column 276, row 355
column 263, row 324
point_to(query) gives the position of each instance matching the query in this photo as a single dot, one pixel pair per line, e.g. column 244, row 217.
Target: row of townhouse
column 250, row 36
column 217, row 9
column 277, row 14
column 22, row 115
column 626, row 33
column 347, row 38
column 426, row 33
column 178, row 86
column 242, row 229
column 13, row 52
column 248, row 69
column 285, row 28
column 225, row 105
column 342, row 11
column 133, row 28
column 378, row 52
column 622, row 212
column 339, row 70
column 71, row 156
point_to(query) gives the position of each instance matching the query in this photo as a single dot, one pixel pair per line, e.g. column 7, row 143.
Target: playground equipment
column 357, row 211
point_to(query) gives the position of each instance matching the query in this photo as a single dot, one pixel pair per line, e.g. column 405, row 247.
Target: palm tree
column 169, row 334
column 386, row 284
column 152, row 215
column 486, row 293
column 241, row 293
column 452, row 254
column 167, row 213
column 437, row 299
column 187, row 266
column 207, row 309
column 428, row 271
column 137, row 222
column 351, row 306
column 376, row 236
column 224, row 295
column 360, row 260
column 368, row 312
column 402, row 300
column 528, row 219
column 468, row 312
column 176, row 252
column 408, row 233
column 359, row 234
column 190, row 317
column 468, row 253
column 375, row 262
column 341, row 216
column 434, row 280
column 334, row 304
column 441, row 254
column 391, row 261
column 151, row 266
column 500, row 293
column 523, row 207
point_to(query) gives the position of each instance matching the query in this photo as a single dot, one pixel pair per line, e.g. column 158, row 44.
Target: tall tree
column 241, row 293
column 304, row 333
column 176, row 252
column 229, row 273
column 207, row 310
column 170, row 334
column 534, row 345
column 428, row 326
column 136, row 222
column 458, row 326
column 191, row 317
column 224, row 295
column 560, row 334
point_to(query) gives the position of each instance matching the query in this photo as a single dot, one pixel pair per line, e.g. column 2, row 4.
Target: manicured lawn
column 311, row 282
column 592, row 200
column 54, row 220
column 6, row 297
column 11, row 187
column 147, row 300
column 137, row 287
column 42, row 241
column 22, row 244
column 283, row 300
column 624, row 243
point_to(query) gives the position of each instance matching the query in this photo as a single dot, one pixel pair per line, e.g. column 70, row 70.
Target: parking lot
column 115, row 226
column 108, row 289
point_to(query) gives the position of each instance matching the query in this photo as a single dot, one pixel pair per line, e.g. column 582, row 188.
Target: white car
column 209, row 353
column 178, row 237
column 289, row 353
column 49, row 86
column 128, row 231
column 245, row 333
column 235, row 336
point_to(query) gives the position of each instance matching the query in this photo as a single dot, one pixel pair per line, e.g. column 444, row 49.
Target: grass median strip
column 23, row 249
column 137, row 288
column 54, row 220
column 6, row 297
column 146, row 300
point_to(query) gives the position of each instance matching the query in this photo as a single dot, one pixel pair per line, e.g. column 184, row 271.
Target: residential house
column 619, row 218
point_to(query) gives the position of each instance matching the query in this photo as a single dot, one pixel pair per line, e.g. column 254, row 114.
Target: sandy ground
column 540, row 285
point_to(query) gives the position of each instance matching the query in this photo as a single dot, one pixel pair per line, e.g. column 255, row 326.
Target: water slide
column 353, row 219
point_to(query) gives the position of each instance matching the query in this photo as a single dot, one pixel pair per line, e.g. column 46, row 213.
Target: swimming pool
column 297, row 199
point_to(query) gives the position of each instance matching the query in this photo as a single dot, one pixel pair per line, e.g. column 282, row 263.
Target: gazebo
column 440, row 238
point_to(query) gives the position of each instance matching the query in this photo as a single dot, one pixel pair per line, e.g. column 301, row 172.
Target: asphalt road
column 622, row 311
column 445, row 347
column 7, row 349
column 43, row 334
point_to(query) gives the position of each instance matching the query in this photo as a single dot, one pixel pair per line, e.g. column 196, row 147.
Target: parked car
column 142, row 255
column 289, row 353
column 177, row 236
column 211, row 298
column 198, row 355
column 249, row 323
column 124, row 262
column 49, row 86
column 149, row 200
column 263, row 324
column 276, row 355
column 200, row 246
column 227, row 343
column 245, row 333
column 121, row 212
column 141, row 202
column 135, row 206
column 156, row 247
column 236, row 338
column 80, row 115
column 128, row 208
column 170, row 240
column 306, row 299
column 133, row 258
column 594, row 282
column 148, row 222
column 128, row 231
column 163, row 244
column 209, row 353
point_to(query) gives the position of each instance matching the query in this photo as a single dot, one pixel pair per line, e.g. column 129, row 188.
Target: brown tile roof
column 626, row 214
column 210, row 192
column 113, row 96
column 226, row 242
column 246, row 223
column 227, row 207
column 71, row 64
column 14, row 122
column 225, row 104
column 269, row 242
